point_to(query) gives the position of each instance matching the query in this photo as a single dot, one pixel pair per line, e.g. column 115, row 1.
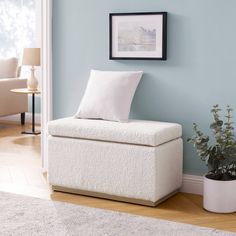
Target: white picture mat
column 154, row 21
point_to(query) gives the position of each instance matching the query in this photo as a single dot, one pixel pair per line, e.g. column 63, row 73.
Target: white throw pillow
column 8, row 68
column 109, row 95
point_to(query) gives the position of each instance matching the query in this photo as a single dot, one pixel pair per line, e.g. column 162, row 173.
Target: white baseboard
column 28, row 118
column 192, row 184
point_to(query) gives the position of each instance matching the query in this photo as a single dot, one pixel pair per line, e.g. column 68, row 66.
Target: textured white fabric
column 109, row 95
column 134, row 171
column 8, row 68
column 142, row 132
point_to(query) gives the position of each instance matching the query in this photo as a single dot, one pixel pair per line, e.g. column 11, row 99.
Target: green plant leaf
column 221, row 156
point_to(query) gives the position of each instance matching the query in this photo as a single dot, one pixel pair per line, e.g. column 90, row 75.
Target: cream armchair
column 12, row 103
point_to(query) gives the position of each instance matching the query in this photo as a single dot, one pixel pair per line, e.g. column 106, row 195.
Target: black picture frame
column 147, row 39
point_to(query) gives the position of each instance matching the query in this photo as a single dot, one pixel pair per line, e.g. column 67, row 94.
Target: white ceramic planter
column 219, row 196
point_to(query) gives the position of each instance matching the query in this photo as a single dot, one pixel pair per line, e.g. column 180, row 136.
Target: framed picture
column 136, row 36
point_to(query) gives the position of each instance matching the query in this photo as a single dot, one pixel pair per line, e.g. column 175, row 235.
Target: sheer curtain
column 18, row 20
column 20, row 27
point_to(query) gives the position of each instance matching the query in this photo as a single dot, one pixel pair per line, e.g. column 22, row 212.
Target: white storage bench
column 138, row 161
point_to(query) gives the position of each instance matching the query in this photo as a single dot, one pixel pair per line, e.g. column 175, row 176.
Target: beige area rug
column 21, row 215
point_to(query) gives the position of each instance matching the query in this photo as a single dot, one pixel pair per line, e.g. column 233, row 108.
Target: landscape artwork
column 136, row 36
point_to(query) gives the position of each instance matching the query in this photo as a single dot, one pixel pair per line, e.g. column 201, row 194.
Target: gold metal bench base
column 112, row 197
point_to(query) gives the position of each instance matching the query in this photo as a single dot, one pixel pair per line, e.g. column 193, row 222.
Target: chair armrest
column 14, row 81
column 7, row 84
column 12, row 103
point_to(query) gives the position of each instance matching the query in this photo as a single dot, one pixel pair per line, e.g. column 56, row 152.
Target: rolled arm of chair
column 12, row 103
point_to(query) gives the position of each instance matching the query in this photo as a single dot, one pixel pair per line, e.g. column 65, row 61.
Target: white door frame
column 46, row 72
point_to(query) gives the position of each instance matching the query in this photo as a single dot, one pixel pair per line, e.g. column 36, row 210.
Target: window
column 19, row 21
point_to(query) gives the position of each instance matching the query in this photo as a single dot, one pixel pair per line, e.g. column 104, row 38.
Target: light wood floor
column 20, row 172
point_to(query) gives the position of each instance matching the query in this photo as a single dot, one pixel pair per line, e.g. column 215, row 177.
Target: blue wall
column 200, row 70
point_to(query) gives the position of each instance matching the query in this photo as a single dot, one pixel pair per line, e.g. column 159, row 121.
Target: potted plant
column 219, row 187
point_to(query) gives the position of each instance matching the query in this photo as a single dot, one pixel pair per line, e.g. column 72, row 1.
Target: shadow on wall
column 180, row 49
column 156, row 95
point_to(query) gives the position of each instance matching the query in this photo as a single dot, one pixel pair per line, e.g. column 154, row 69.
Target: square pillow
column 8, row 68
column 109, row 95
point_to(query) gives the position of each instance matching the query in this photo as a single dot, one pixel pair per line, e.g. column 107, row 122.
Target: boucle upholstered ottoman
column 138, row 161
